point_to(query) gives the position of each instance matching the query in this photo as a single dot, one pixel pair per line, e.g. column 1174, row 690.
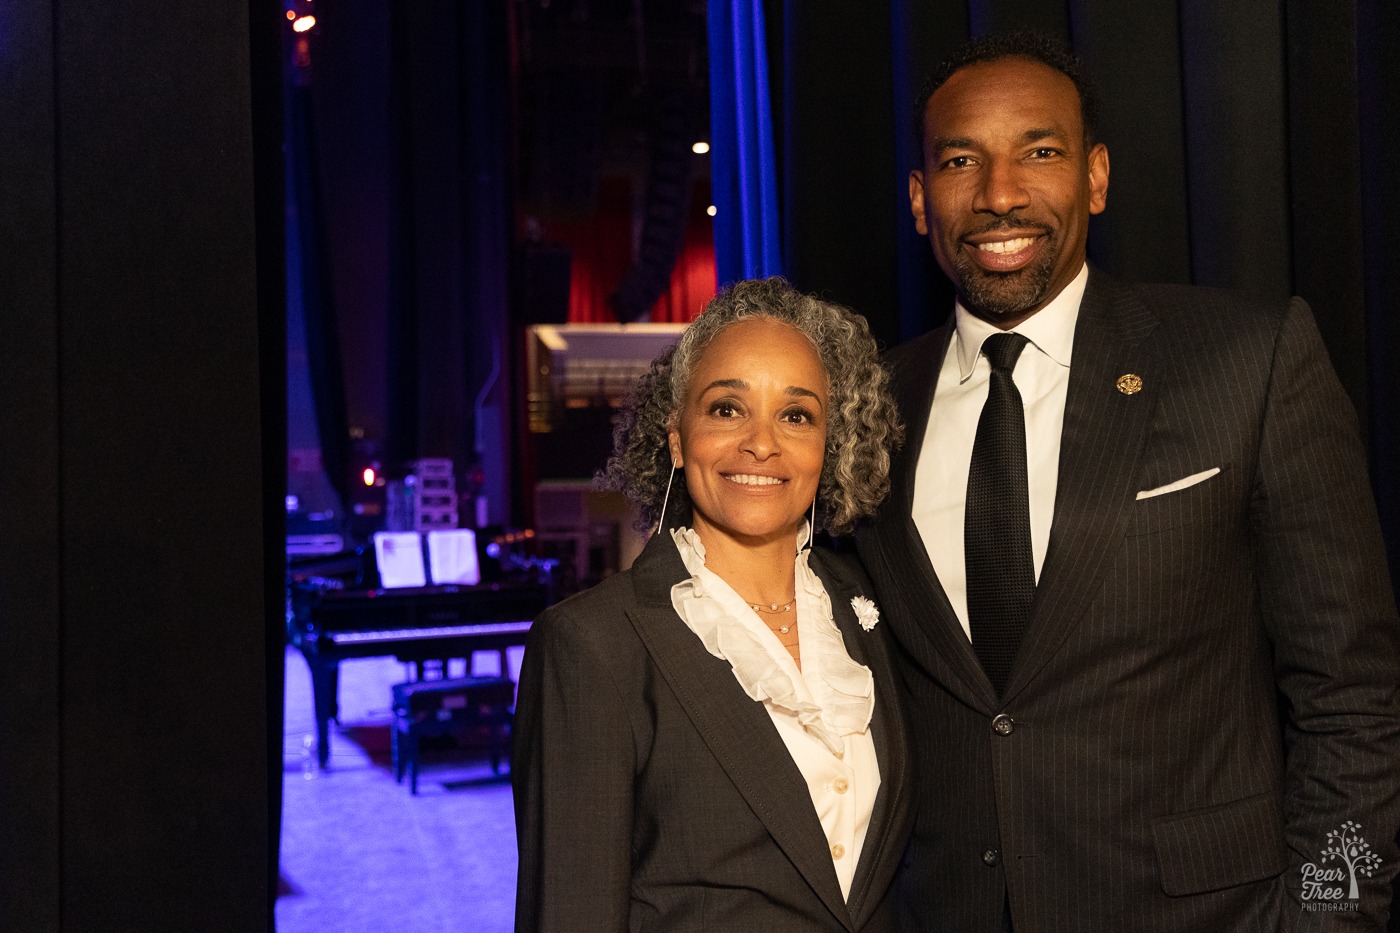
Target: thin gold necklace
column 776, row 609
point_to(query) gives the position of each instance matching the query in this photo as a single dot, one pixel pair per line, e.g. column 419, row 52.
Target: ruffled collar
column 832, row 696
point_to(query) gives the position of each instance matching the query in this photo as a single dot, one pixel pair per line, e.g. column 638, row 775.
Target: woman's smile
column 751, row 479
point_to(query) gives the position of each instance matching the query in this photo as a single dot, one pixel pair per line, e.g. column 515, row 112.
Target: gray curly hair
column 862, row 428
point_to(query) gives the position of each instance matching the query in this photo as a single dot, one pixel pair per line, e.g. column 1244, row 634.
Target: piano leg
column 395, row 753
column 324, row 680
column 412, row 753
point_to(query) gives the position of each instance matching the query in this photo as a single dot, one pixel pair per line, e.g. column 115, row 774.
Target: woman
column 710, row 740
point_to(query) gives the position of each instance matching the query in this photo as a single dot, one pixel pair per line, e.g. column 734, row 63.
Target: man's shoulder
column 1194, row 307
column 918, row 354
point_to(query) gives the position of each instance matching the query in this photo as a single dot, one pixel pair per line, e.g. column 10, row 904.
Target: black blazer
column 1136, row 775
column 651, row 793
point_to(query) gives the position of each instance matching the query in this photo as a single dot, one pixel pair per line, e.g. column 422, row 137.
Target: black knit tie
column 997, row 530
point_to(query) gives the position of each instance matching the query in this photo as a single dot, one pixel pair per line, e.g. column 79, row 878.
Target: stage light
column 700, row 148
column 711, row 210
column 291, row 15
column 369, row 476
column 303, row 23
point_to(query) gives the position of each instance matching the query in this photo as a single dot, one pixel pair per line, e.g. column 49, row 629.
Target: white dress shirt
column 822, row 712
column 940, row 480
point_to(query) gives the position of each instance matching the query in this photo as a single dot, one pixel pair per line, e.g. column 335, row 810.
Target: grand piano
column 331, row 622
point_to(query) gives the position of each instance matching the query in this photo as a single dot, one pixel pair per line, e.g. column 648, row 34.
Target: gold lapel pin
column 1129, row 383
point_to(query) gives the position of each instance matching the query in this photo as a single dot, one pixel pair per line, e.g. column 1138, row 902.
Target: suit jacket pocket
column 1221, row 846
column 1202, row 501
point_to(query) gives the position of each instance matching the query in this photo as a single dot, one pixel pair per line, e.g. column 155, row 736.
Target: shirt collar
column 1051, row 328
column 832, row 697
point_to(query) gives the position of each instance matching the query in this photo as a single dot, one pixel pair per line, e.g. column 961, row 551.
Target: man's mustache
column 1011, row 222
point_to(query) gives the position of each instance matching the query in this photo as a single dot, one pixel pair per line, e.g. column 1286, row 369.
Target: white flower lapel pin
column 866, row 613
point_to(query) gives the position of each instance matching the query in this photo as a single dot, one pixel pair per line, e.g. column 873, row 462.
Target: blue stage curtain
column 742, row 160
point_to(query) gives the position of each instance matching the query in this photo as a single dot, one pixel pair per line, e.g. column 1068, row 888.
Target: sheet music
column 452, row 556
column 400, row 558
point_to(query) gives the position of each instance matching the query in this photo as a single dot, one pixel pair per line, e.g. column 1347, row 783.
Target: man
column 1132, row 562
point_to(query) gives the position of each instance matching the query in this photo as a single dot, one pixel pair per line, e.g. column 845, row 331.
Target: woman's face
column 751, row 433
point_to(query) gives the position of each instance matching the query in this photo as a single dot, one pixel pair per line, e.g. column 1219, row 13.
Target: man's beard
column 995, row 295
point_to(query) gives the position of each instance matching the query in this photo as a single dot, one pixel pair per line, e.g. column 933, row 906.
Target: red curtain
column 693, row 278
column 601, row 253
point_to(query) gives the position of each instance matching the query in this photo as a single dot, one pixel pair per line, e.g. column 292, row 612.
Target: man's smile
column 1007, row 246
column 1007, row 253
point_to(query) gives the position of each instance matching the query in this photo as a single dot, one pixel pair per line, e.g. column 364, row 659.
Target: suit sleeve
column 572, row 768
column 1327, row 603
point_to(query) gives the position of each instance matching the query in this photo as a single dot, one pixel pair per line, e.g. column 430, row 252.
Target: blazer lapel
column 890, row 733
column 1105, row 430
column 737, row 730
column 929, row 629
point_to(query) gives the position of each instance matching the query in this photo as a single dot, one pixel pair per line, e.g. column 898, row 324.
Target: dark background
column 142, row 343
column 141, row 370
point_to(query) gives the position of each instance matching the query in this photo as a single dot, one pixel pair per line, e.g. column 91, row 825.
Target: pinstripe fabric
column 1146, row 782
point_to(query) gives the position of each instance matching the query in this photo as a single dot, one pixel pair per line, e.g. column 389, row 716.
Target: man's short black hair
column 1035, row 46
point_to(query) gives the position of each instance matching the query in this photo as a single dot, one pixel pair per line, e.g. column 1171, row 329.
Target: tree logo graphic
column 1345, row 847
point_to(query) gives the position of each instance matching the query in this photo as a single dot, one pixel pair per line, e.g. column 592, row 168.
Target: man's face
column 1007, row 187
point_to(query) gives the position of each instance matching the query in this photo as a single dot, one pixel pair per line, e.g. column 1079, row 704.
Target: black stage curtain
column 267, row 61
column 141, row 367
column 30, row 596
column 323, row 355
column 1249, row 143
column 409, row 110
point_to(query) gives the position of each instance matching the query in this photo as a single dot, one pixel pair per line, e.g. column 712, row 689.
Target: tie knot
column 1002, row 350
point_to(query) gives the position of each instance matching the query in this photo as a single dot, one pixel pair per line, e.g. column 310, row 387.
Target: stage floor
column 359, row 854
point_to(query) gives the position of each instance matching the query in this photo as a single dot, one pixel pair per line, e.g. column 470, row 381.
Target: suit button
column 840, row 785
column 837, row 851
column 991, row 858
column 1003, row 724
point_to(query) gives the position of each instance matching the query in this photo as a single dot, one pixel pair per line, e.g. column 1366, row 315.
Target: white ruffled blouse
column 822, row 712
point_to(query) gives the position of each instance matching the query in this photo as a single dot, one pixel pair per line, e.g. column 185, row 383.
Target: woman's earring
column 661, row 519
column 812, row 523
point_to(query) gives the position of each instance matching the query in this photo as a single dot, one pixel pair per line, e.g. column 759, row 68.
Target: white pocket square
column 1182, row 483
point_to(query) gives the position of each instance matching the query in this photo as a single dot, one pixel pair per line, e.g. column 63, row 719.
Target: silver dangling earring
column 661, row 519
column 812, row 523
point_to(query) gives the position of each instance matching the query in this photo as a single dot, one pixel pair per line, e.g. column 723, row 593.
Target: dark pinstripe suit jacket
column 652, row 794
column 1208, row 683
